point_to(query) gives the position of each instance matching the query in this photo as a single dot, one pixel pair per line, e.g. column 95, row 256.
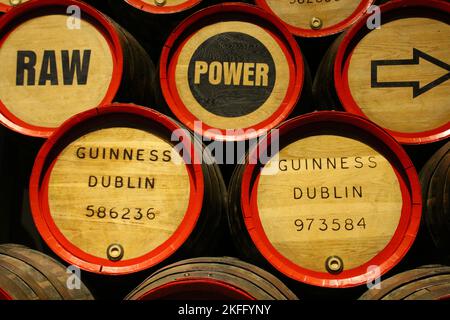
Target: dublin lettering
column 119, row 182
column 127, row 154
column 342, row 163
column 311, row 193
column 232, row 73
column 72, row 66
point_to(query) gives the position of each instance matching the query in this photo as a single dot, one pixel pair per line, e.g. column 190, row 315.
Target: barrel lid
column 316, row 18
column 231, row 72
column 324, row 225
column 50, row 76
column 163, row 6
column 110, row 193
column 396, row 75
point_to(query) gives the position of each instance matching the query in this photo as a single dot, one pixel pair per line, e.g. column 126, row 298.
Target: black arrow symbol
column 417, row 90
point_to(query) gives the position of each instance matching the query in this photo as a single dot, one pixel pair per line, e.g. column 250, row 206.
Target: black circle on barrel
column 231, row 98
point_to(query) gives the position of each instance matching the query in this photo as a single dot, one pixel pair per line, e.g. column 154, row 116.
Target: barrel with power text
column 118, row 190
column 26, row 274
column 435, row 181
column 316, row 18
column 330, row 199
column 60, row 58
column 231, row 72
column 430, row 282
column 211, row 279
column 398, row 75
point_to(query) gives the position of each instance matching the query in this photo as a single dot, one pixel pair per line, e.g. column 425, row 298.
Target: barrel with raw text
column 337, row 205
column 81, row 60
column 117, row 190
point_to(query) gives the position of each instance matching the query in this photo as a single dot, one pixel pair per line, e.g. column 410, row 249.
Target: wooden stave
column 233, row 266
column 394, row 285
column 437, row 292
column 252, row 280
column 438, row 214
column 14, row 288
column 430, row 212
column 215, row 195
column 330, row 96
column 54, row 268
column 127, row 50
column 244, row 242
column 42, row 275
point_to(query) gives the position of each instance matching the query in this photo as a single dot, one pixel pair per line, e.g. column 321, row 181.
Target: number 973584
column 335, row 224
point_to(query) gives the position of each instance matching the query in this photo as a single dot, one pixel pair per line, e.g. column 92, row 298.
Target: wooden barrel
column 117, row 190
column 230, row 72
column 26, row 274
column 75, row 65
column 425, row 283
column 435, row 181
column 340, row 196
column 163, row 6
column 211, row 279
column 399, row 82
column 316, row 18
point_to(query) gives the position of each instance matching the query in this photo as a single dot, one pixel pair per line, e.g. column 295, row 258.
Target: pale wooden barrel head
column 163, row 6
column 116, row 193
column 397, row 76
column 351, row 212
column 230, row 72
column 316, row 18
column 336, row 199
column 53, row 69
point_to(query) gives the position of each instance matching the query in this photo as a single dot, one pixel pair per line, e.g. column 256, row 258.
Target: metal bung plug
column 15, row 2
column 115, row 252
column 316, row 23
column 334, row 265
column 160, row 3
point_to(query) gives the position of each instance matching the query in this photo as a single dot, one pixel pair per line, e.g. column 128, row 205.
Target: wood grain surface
column 94, row 213
column 350, row 211
column 396, row 108
column 49, row 104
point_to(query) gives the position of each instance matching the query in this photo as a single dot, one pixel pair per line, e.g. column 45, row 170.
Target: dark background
column 17, row 155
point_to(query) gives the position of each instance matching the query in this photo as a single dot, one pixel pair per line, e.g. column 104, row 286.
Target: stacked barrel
column 216, row 150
